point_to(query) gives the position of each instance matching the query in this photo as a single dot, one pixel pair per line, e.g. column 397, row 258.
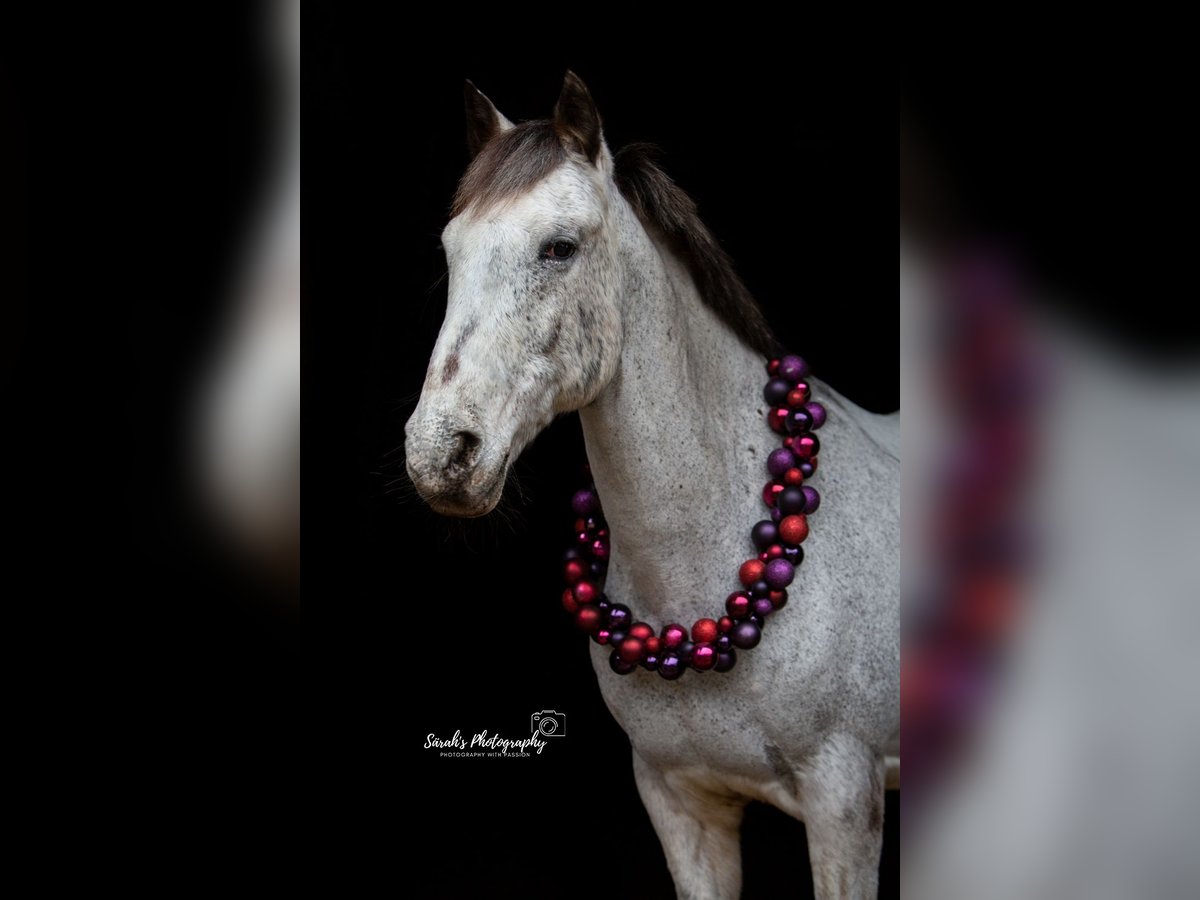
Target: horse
column 583, row 280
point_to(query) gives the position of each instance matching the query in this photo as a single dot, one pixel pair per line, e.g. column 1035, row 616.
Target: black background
column 792, row 162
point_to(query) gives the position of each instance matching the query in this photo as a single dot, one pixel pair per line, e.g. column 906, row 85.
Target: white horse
column 583, row 281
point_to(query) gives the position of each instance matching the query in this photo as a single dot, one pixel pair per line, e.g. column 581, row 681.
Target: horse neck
column 668, row 437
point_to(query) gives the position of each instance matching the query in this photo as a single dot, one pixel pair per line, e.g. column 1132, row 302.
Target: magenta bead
column 792, row 368
column 779, row 461
column 763, row 607
column 673, row 636
column 602, row 636
column 779, row 574
column 703, row 656
column 817, row 411
column 770, row 492
column 600, row 549
column 737, row 604
column 806, row 446
column 812, row 499
column 584, row 503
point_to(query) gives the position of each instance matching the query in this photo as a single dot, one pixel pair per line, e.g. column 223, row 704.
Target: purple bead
column 790, row 501
column 797, row 421
column 779, row 574
column 776, row 391
column 779, row 461
column 684, row 651
column 776, row 515
column 763, row 607
column 617, row 637
column 602, row 605
column 572, row 553
column 760, row 588
column 723, row 643
column 618, row 665
column 650, row 662
column 764, row 534
column 817, row 411
column 794, row 555
column 598, row 569
column 792, row 368
column 670, row 666
column 807, row 468
column 619, row 617
column 726, row 660
column 584, row 503
column 745, row 635
column 812, row 499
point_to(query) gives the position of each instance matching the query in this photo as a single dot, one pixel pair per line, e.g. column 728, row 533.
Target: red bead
column 770, row 492
column 777, row 598
column 737, row 604
column 574, row 570
column 640, row 630
column 724, row 625
column 788, row 441
column 799, row 395
column 793, row 529
column 777, row 419
column 793, row 477
column 587, row 618
column 751, row 571
column 580, row 525
column 568, row 601
column 673, row 636
column 653, row 645
column 631, row 649
column 704, row 631
column 600, row 549
column 704, row 656
column 585, row 592
column 773, row 367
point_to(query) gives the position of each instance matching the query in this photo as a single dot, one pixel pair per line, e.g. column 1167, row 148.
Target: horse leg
column 698, row 830
column 840, row 798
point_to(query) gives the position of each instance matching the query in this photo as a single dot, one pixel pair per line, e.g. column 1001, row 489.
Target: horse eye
column 561, row 250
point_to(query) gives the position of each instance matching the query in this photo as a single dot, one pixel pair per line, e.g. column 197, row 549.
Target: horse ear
column 576, row 118
column 484, row 121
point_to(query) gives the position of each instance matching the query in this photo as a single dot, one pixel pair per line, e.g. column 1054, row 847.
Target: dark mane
column 517, row 159
column 661, row 203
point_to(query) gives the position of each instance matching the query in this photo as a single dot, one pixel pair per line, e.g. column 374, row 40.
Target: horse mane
column 515, row 160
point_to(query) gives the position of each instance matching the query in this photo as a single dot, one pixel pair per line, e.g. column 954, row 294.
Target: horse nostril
column 466, row 448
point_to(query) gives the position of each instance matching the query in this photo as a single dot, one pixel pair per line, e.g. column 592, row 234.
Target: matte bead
column 751, row 571
column 704, row 631
column 631, row 649
column 778, row 599
column 704, row 657
column 653, row 645
column 724, row 626
column 619, row 617
column 790, row 501
column 585, row 592
column 794, row 529
column 779, row 461
column 617, row 637
column 776, row 391
column 570, row 604
column 574, row 570
column 745, row 635
column 725, row 660
column 763, row 534
column 779, row 575
column 737, row 604
column 792, row 367
column 584, row 502
column 812, row 499
column 670, row 666
column 776, row 515
column 598, row 569
column 775, row 551
column 620, row 665
column 793, row 478
column 817, row 411
column 763, row 607
column 641, row 631
column 760, row 588
column 587, row 618
column 673, row 636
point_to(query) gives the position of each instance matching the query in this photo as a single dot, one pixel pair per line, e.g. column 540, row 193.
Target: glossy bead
column 568, row 601
column 798, row 421
column 778, row 599
column 583, row 538
column 779, row 575
column 704, row 657
column 574, row 570
column 631, row 649
column 584, row 502
column 620, row 665
column 600, row 548
column 673, row 636
column 619, row 617
column 771, row 490
column 797, row 397
column 670, row 666
column 737, row 604
column 776, row 391
column 808, row 466
column 812, row 499
column 587, row 618
column 641, row 631
column 745, row 635
column 590, row 524
column 817, row 411
column 777, row 419
column 763, row 607
column 650, row 661
column 723, row 643
column 773, row 367
column 779, row 461
column 790, row 501
column 792, row 367
column 751, row 571
column 756, row 620
column 616, row 637
column 775, row 551
column 764, row 534
column 602, row 636
column 704, row 631
column 806, row 446
column 585, row 592
column 724, row 626
column 794, row 555
column 725, row 660
column 794, row 529
column 653, row 645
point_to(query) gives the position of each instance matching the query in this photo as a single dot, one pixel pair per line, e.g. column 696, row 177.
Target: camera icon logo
column 548, row 723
